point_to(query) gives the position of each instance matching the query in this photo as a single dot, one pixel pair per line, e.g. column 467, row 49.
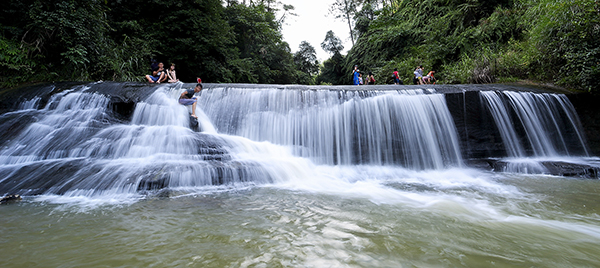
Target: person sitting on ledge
column 154, row 77
column 187, row 98
column 172, row 77
column 162, row 74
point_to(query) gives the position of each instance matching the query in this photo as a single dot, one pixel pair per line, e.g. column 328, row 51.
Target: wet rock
column 588, row 110
column 154, row 183
column 9, row 199
column 557, row 168
column 194, row 123
column 572, row 170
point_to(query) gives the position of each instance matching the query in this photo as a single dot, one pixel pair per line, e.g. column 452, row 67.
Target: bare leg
column 149, row 79
column 194, row 110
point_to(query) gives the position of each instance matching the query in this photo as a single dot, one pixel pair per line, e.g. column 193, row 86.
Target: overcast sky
column 311, row 24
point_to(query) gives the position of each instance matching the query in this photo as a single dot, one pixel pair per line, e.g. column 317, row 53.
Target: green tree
column 265, row 57
column 332, row 43
column 565, row 37
column 332, row 71
column 345, row 10
column 306, row 59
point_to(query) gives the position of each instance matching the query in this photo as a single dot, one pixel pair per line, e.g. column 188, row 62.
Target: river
column 273, row 180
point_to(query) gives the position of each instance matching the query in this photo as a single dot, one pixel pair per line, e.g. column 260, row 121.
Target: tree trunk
column 347, row 11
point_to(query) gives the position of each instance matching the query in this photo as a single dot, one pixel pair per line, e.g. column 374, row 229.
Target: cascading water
column 88, row 151
column 410, row 128
column 77, row 148
column 545, row 122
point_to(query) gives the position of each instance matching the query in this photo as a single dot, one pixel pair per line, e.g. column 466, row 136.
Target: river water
column 282, row 200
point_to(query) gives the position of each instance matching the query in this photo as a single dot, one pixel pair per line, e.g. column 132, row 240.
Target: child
column 171, row 74
column 161, row 73
column 371, row 79
column 355, row 74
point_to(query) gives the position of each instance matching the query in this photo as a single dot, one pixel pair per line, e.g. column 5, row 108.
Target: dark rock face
column 557, row 168
column 480, row 137
column 476, row 129
column 588, row 109
column 11, row 124
column 572, row 169
column 10, row 98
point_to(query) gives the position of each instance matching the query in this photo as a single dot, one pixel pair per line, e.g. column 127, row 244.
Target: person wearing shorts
column 428, row 79
column 187, row 98
column 154, row 77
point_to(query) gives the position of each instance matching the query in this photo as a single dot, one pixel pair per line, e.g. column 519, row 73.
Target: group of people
column 358, row 77
column 159, row 75
column 418, row 79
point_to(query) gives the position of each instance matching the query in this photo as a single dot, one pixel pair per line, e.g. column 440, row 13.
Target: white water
column 546, row 121
column 408, row 128
column 545, row 118
column 342, row 142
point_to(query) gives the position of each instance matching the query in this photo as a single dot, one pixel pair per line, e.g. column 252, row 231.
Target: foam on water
column 261, row 145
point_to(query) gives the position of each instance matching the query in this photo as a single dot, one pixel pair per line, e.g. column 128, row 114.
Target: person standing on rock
column 187, row 98
column 355, row 74
column 396, row 77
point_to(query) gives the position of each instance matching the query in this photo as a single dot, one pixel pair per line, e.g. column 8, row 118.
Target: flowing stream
column 277, row 177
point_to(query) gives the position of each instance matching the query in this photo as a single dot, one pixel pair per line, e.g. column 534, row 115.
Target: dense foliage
column 480, row 41
column 115, row 40
column 240, row 41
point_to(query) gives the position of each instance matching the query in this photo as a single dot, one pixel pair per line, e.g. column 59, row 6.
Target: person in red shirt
column 397, row 80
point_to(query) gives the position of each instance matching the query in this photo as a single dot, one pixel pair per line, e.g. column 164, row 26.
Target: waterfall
column 412, row 128
column 77, row 147
column 504, row 123
column 77, row 144
column 547, row 121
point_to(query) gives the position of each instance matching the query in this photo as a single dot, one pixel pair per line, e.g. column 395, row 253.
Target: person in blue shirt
column 356, row 74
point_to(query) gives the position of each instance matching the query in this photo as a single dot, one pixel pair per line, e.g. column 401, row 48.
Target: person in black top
column 187, row 98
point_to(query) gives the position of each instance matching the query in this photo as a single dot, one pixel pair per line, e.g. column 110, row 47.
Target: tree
column 363, row 19
column 287, row 10
column 345, row 9
column 332, row 71
column 191, row 33
column 306, row 59
column 264, row 56
column 332, row 43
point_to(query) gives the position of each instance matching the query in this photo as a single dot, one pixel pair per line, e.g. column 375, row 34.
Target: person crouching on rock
column 187, row 98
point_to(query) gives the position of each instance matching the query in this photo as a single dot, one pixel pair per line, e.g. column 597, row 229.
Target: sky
column 311, row 24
